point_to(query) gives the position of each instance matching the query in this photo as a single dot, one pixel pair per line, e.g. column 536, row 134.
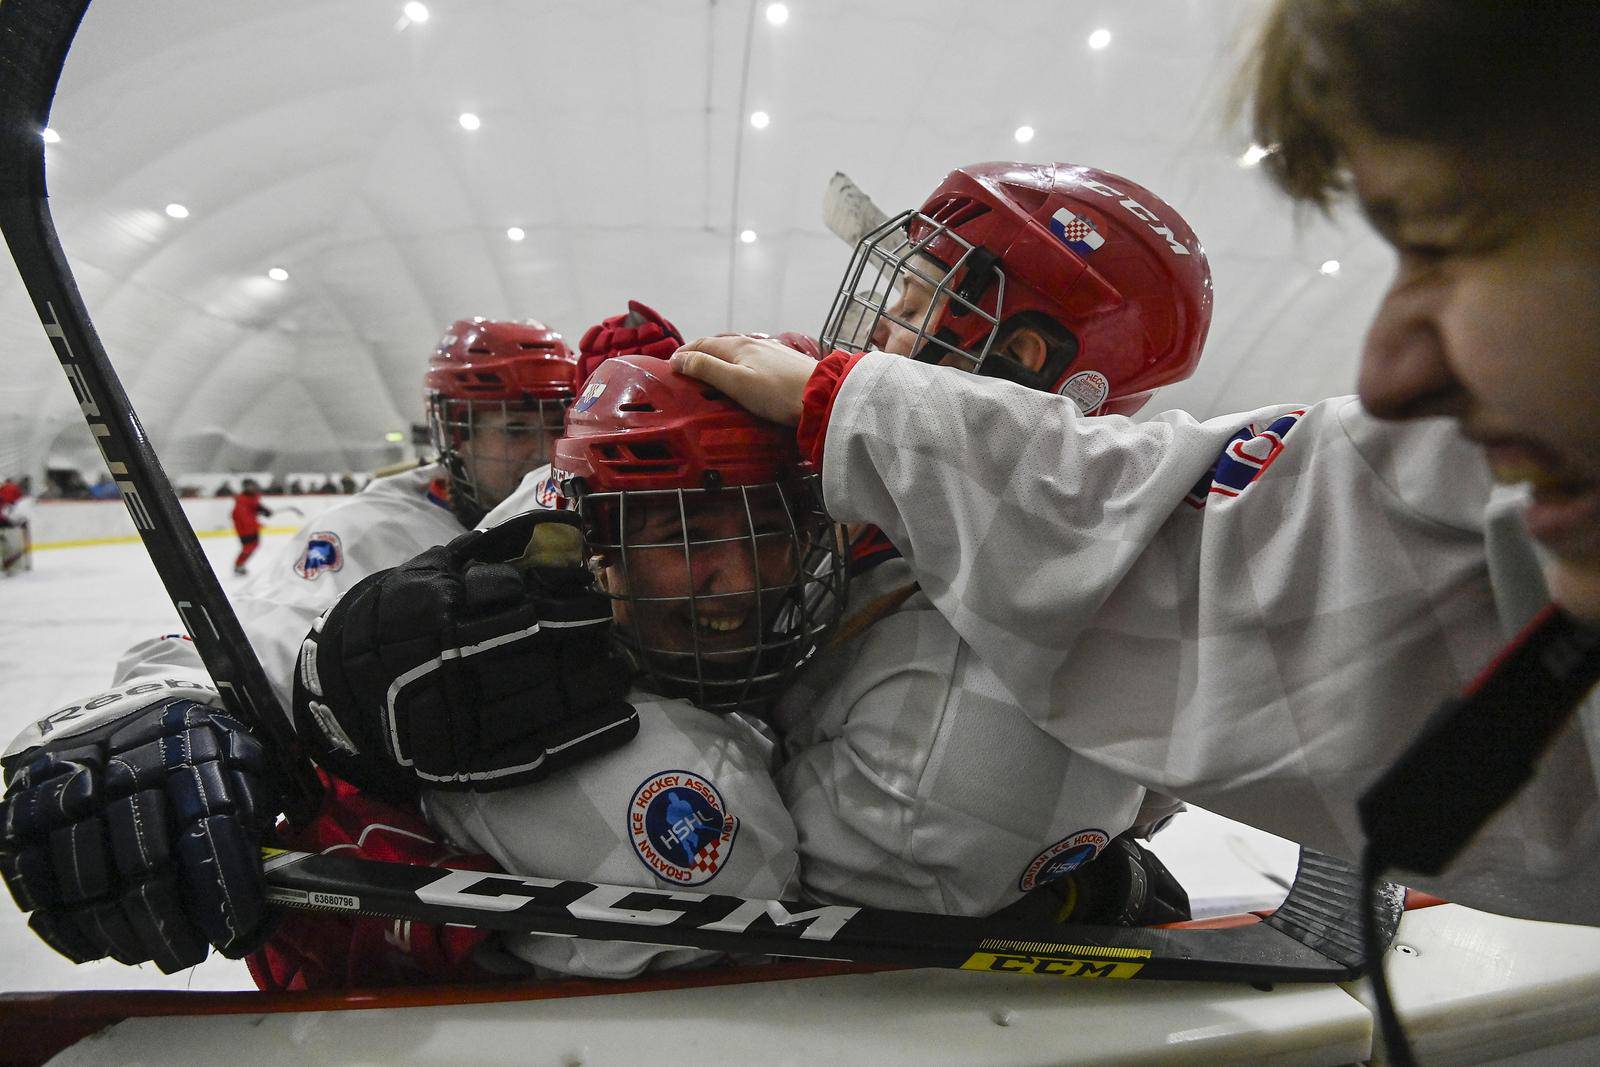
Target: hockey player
column 16, row 544
column 1259, row 611
column 887, row 771
column 247, row 513
column 723, row 575
column 495, row 391
column 914, row 780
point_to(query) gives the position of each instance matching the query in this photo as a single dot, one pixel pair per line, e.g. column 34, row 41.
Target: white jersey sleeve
column 688, row 804
column 385, row 524
column 1254, row 613
column 916, row 782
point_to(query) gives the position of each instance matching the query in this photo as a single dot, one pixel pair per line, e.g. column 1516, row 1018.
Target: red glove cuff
column 654, row 336
column 816, row 403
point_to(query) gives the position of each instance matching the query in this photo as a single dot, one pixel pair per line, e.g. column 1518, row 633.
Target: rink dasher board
column 1472, row 988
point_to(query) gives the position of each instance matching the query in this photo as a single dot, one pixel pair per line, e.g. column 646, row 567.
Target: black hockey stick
column 1314, row 936
column 34, row 38
column 1311, row 938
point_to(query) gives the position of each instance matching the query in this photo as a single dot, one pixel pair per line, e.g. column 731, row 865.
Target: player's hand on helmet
column 641, row 330
column 765, row 375
column 480, row 664
column 135, row 833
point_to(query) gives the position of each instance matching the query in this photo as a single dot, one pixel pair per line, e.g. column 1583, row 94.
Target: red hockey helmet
column 708, row 530
column 1103, row 268
column 496, row 391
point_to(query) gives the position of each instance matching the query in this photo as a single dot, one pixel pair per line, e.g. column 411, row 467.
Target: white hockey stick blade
column 848, row 211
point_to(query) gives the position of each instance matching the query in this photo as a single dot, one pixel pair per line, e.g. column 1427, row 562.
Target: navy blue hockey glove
column 138, row 838
column 480, row 664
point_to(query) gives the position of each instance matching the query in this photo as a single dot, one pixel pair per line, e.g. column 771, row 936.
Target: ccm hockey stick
column 1311, row 938
column 34, row 38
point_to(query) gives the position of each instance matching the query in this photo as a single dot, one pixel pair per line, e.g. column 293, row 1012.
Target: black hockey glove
column 1126, row 885
column 138, row 838
column 480, row 664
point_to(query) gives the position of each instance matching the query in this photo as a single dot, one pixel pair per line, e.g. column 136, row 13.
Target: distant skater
column 247, row 512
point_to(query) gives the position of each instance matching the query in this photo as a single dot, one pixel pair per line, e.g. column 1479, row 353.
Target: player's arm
column 476, row 665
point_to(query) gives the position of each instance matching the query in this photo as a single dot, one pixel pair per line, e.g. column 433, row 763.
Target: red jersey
column 246, row 508
column 309, row 951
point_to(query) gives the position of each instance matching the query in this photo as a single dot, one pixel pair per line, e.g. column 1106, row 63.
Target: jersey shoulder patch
column 322, row 552
column 681, row 827
column 1245, row 457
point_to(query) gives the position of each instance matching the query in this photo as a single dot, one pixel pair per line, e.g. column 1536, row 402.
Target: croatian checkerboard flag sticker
column 1075, row 231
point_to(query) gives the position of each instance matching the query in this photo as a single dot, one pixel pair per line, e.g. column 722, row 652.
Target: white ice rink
column 64, row 624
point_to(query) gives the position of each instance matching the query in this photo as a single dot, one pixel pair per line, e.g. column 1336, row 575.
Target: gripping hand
column 138, row 838
column 480, row 664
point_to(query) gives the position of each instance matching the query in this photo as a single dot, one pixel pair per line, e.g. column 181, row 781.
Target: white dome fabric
column 321, row 136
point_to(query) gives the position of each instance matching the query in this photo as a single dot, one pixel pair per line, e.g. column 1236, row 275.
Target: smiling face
column 1493, row 318
column 711, row 590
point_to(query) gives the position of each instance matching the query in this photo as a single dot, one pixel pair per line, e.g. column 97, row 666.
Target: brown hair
column 1497, row 75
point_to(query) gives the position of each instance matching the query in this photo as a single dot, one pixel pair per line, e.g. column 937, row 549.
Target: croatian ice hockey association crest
column 1066, row 855
column 322, row 553
column 680, row 827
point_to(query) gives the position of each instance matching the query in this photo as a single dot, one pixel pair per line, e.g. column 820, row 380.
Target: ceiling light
column 1099, row 39
column 469, row 121
column 760, row 119
column 277, row 274
column 1024, row 134
column 1329, row 266
column 747, row 236
column 777, row 14
column 177, row 211
column 49, row 136
column 1253, row 155
column 516, row 233
column 416, row 12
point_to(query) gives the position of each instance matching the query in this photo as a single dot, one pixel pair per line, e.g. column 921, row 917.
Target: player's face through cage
column 719, row 594
column 488, row 445
column 909, row 282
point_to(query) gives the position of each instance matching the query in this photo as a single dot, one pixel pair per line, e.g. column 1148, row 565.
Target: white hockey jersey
column 1254, row 613
column 916, row 782
column 688, row 804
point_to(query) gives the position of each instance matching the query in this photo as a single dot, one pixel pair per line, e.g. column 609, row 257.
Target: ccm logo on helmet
column 1138, row 211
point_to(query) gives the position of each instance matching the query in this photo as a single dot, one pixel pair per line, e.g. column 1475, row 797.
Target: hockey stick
column 1314, row 936
column 34, row 38
column 848, row 212
column 1310, row 938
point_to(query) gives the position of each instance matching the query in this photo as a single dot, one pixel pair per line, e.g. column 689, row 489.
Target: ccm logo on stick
column 585, row 900
column 1051, row 965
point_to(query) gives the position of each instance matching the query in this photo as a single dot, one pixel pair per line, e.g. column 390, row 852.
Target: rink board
column 1471, row 987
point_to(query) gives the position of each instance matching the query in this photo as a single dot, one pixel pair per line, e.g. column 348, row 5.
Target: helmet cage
column 454, row 426
column 970, row 291
column 792, row 615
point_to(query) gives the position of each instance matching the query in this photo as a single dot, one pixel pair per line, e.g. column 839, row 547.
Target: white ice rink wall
column 62, row 523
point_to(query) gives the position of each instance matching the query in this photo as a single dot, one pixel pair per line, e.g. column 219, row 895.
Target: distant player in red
column 247, row 509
